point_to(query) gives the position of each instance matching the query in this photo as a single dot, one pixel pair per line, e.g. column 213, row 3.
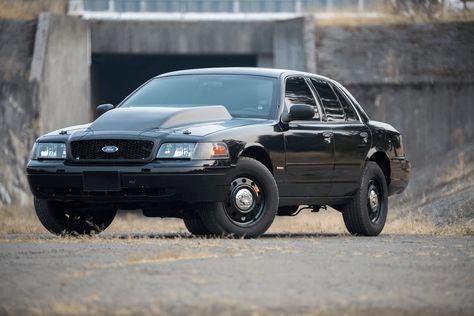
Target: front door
column 309, row 147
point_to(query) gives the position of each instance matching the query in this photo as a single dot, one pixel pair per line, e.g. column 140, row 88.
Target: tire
column 62, row 219
column 256, row 213
column 287, row 210
column 195, row 225
column 361, row 216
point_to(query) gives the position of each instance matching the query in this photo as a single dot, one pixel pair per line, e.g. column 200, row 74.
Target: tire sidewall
column 247, row 167
column 373, row 171
column 47, row 212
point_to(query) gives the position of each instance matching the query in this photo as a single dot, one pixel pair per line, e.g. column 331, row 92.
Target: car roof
column 255, row 71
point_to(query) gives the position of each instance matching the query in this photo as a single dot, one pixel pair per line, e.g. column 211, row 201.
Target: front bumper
column 400, row 174
column 186, row 181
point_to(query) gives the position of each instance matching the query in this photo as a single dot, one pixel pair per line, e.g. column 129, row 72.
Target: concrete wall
column 18, row 108
column 64, row 94
column 183, row 37
column 294, row 44
column 418, row 77
column 433, row 117
column 281, row 44
column 44, row 85
column 437, row 52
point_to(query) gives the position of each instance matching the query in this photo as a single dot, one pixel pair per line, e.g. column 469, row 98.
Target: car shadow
column 149, row 236
column 189, row 236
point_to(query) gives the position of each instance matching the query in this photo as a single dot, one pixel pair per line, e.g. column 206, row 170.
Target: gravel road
column 276, row 274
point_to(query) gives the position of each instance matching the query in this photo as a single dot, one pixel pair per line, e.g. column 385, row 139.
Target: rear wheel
column 251, row 205
column 63, row 218
column 366, row 213
column 195, row 225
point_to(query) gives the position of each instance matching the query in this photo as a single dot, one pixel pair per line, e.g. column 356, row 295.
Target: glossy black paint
column 313, row 161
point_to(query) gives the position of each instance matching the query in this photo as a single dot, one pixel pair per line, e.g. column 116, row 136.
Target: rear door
column 352, row 138
column 309, row 150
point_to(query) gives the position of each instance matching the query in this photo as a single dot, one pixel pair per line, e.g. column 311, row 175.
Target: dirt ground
column 278, row 274
column 422, row 263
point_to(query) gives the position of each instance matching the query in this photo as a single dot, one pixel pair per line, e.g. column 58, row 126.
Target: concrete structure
column 419, row 77
column 56, row 69
column 61, row 62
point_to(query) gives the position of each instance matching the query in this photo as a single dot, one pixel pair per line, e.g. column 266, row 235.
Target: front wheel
column 366, row 213
column 251, row 205
column 64, row 218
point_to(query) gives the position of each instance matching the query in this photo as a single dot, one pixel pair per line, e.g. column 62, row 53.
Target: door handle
column 327, row 136
column 364, row 136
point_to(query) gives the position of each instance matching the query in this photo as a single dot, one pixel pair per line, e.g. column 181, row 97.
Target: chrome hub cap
column 244, row 200
column 373, row 200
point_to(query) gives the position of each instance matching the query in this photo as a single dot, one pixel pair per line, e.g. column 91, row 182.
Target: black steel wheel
column 62, row 218
column 246, row 201
column 251, row 205
column 367, row 212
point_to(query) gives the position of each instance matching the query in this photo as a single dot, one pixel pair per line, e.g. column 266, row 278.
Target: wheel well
column 384, row 163
column 259, row 154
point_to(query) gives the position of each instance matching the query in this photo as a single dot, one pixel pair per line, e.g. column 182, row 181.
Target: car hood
column 151, row 118
column 158, row 122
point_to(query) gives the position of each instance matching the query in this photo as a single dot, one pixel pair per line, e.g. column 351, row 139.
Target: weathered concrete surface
column 64, row 94
column 418, row 77
column 53, row 93
column 405, row 53
column 434, row 118
column 308, row 275
column 182, row 37
column 18, row 108
column 293, row 44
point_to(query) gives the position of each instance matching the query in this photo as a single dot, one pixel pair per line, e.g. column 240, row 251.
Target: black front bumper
column 187, row 181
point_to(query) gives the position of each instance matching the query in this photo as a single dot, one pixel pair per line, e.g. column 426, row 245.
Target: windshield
column 242, row 95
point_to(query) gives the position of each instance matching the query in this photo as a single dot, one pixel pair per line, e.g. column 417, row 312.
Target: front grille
column 128, row 149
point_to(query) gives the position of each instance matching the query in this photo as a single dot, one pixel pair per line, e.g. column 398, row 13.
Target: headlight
column 49, row 151
column 193, row 151
column 176, row 151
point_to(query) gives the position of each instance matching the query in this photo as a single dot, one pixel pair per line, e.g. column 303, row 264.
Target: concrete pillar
column 61, row 66
column 294, row 44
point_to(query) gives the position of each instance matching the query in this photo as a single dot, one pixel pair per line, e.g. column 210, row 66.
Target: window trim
column 316, row 100
column 355, row 104
column 332, row 86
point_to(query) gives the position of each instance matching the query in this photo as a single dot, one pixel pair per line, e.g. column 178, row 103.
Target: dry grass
column 353, row 20
column 29, row 9
column 22, row 220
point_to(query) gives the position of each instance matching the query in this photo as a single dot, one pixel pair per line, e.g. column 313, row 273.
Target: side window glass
column 351, row 115
column 298, row 92
column 329, row 101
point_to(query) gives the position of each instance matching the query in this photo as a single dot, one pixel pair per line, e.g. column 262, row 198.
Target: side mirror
column 301, row 112
column 101, row 109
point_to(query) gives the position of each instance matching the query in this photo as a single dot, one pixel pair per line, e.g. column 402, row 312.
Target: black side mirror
column 101, row 109
column 301, row 112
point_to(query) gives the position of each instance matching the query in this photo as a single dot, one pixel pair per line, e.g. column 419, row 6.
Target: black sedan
column 226, row 150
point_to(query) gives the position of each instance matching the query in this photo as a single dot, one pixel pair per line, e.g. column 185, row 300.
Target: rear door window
column 297, row 91
column 332, row 108
column 351, row 114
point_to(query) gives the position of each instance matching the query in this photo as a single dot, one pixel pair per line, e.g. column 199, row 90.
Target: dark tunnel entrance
column 114, row 76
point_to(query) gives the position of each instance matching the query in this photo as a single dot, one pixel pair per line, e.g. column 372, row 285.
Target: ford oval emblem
column 109, row 149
